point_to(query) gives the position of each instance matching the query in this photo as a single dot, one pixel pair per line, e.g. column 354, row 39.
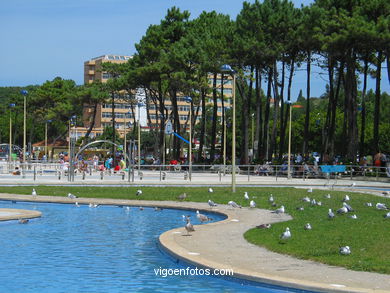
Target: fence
column 216, row 173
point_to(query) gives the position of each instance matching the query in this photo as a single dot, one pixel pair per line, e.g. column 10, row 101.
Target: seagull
column 300, row 208
column 271, row 199
column 157, row 209
column 279, row 210
column 182, row 196
column 211, row 190
column 330, row 214
column 141, row 208
column 71, row 196
column 353, row 217
column 264, row 226
column 246, row 196
column 385, row 193
column 368, row 204
column 353, row 185
column 202, row 218
column 252, row 204
column 306, row 199
column 313, row 202
column 139, row 192
column 310, row 190
column 211, row 203
column 319, row 203
column 34, row 193
column 189, row 226
column 286, row 234
column 233, row 204
column 342, row 210
column 327, row 196
column 349, row 208
column 381, row 206
column 93, row 205
column 346, row 197
column 23, row 221
column 345, row 250
column 307, row 226
column 387, row 216
column 77, row 204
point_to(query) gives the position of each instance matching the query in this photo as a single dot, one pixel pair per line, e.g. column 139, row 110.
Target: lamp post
column 189, row 100
column 289, row 142
column 10, row 134
column 224, row 141
column 72, row 122
column 228, row 69
column 24, row 93
column 125, row 140
column 47, row 122
column 139, row 136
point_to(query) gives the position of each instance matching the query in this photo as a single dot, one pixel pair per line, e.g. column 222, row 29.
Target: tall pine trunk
column 377, row 101
column 259, row 118
column 214, row 119
column 307, row 117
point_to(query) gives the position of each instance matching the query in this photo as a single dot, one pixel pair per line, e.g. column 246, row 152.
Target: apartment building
column 93, row 71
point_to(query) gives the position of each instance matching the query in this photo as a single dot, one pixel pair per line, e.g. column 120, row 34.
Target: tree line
column 265, row 45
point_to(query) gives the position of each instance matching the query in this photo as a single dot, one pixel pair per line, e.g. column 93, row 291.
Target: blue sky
column 42, row 39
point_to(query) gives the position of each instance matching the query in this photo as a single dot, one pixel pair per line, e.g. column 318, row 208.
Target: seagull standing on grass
column 346, row 198
column 271, row 199
column 330, row 214
column 246, row 196
column 310, row 190
column 387, row 216
column 252, row 204
column 349, row 208
column 368, row 204
column 72, row 196
column 139, row 192
column 286, row 234
column 307, row 226
column 327, row 196
column 353, row 216
column 182, row 196
column 34, row 193
column 211, row 190
column 306, row 199
column 345, row 250
column 342, row 210
column 211, row 203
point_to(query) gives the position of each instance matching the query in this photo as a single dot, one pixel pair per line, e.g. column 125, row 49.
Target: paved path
column 222, row 245
column 16, row 214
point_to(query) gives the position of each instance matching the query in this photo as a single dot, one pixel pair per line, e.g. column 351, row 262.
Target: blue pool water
column 107, row 249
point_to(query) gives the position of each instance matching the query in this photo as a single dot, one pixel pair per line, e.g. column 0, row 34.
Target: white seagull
column 353, row 216
column 34, row 193
column 346, row 197
column 271, row 199
column 233, row 204
column 368, row 204
column 279, row 210
column 327, row 196
column 387, row 216
column 202, row 218
column 286, row 234
column 349, row 208
column 77, row 204
column 330, row 214
column 139, row 192
column 381, row 206
column 211, row 190
column 342, row 210
column 313, row 202
column 72, row 196
column 252, row 204
column 211, row 203
column 307, row 226
column 246, row 196
column 310, row 190
column 345, row 250
column 353, row 185
column 182, row 196
column 306, row 199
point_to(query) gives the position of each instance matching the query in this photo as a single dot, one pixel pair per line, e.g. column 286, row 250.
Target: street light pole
column 24, row 93
column 227, row 68
column 139, row 137
column 224, row 142
column 10, row 134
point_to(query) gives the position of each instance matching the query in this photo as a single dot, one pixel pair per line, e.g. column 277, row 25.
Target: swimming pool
column 104, row 249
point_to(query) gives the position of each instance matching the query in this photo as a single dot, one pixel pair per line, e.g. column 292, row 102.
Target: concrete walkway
column 16, row 214
column 222, row 245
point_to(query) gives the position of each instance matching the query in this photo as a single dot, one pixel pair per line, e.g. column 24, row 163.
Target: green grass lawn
column 368, row 236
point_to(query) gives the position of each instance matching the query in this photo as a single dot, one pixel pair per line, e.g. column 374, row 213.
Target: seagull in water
column 189, row 227
column 233, row 204
column 202, row 218
column 211, row 190
column 34, row 193
column 345, row 250
column 77, row 204
column 93, row 205
column 139, row 192
column 330, row 214
column 211, row 203
column 286, row 234
column 279, row 210
column 246, row 196
column 307, row 226
column 252, row 204
column 381, row 206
